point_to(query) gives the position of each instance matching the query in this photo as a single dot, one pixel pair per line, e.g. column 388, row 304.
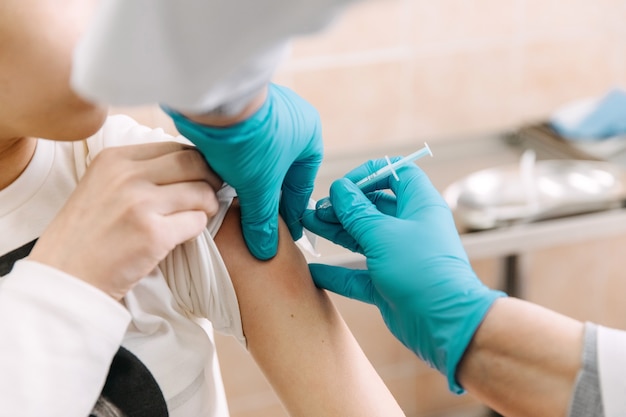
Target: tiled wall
column 398, row 71
column 401, row 70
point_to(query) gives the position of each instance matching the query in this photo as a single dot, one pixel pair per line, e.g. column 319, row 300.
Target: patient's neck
column 15, row 154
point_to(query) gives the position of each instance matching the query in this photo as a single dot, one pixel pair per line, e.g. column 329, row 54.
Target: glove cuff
column 470, row 318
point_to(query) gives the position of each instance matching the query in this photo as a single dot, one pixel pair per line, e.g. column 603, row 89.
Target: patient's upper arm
column 295, row 334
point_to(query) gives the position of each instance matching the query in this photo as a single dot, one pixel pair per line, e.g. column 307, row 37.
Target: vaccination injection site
column 295, row 208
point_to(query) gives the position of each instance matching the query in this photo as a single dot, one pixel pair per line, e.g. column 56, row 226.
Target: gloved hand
column 418, row 273
column 278, row 148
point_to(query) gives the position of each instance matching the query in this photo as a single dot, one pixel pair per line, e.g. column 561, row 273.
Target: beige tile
column 557, row 71
column 433, row 397
column 364, row 26
column 257, row 407
column 247, row 391
column 403, row 390
column 462, row 22
column 283, row 77
column 554, row 16
column 489, row 271
column 461, row 92
column 612, row 307
column 585, row 281
column 620, row 58
column 361, row 105
column 242, row 377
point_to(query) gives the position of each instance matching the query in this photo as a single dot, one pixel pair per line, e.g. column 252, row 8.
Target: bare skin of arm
column 296, row 335
column 523, row 360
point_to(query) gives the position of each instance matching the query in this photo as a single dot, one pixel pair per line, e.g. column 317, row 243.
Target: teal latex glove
column 272, row 156
column 418, row 273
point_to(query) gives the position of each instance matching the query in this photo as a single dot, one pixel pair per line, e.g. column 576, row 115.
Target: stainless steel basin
column 535, row 190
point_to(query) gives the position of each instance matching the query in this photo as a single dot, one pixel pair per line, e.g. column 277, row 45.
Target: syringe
column 389, row 169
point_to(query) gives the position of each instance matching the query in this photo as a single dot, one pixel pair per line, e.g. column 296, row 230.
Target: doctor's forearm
column 523, row 360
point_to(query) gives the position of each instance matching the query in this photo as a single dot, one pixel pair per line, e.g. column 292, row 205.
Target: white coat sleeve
column 58, row 336
column 192, row 55
column 612, row 370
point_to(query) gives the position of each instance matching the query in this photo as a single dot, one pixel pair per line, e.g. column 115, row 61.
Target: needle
column 387, row 170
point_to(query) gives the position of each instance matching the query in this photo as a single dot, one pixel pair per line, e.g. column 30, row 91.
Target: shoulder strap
column 8, row 260
column 132, row 389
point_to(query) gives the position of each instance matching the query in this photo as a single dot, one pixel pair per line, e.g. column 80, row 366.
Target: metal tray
column 535, row 190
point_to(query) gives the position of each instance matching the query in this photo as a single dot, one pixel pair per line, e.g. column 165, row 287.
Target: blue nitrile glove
column 418, row 273
column 279, row 148
column 605, row 119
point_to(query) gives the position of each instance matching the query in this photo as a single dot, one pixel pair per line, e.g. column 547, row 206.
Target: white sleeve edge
column 612, row 368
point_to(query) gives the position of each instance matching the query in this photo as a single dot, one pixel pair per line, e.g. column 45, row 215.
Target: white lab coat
column 192, row 55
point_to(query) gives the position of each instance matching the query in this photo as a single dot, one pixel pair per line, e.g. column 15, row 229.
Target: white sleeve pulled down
column 199, row 280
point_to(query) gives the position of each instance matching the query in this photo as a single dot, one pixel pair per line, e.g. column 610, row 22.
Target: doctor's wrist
column 218, row 118
column 524, row 349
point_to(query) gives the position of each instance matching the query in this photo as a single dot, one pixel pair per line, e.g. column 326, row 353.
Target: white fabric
column 189, row 54
column 58, row 335
column 612, row 370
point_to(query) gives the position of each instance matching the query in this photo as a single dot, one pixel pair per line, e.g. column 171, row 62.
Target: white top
column 192, row 55
column 58, row 334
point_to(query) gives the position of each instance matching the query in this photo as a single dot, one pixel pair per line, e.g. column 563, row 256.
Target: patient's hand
column 132, row 207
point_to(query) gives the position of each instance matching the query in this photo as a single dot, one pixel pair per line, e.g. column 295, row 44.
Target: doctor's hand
column 272, row 155
column 418, row 274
